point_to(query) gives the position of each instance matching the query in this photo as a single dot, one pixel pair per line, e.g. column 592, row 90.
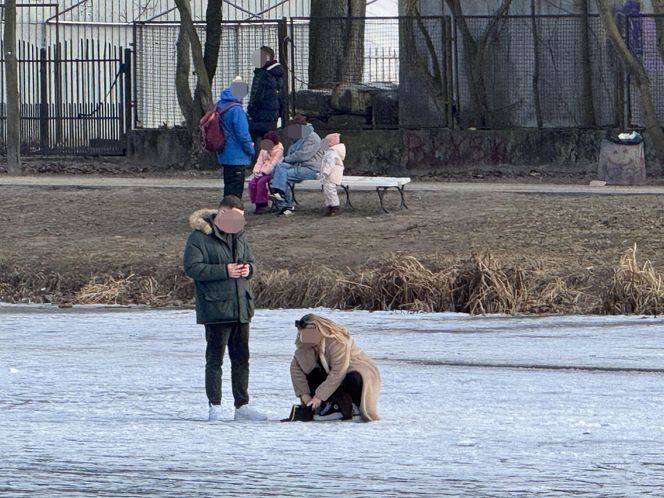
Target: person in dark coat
column 266, row 97
column 218, row 258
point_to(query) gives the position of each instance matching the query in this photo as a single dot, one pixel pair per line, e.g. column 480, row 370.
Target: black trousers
column 233, row 179
column 352, row 384
column 236, row 336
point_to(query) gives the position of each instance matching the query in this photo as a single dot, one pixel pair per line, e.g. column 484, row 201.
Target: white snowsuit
column 331, row 173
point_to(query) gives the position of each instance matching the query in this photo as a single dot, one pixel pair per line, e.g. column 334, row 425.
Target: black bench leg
column 381, row 193
column 292, row 189
column 347, row 192
column 403, row 198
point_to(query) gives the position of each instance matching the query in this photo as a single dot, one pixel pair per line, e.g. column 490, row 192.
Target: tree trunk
column 182, row 71
column 213, row 18
column 203, row 99
column 640, row 77
column 351, row 68
column 11, row 78
column 587, row 108
column 336, row 46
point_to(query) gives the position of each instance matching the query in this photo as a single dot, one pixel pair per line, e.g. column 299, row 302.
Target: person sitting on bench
column 331, row 375
column 302, row 162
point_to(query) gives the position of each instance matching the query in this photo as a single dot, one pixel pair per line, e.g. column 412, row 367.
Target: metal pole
column 43, row 100
column 283, row 59
column 127, row 90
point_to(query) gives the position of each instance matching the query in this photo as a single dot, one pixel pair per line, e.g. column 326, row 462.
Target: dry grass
column 479, row 284
column 635, row 288
column 486, row 285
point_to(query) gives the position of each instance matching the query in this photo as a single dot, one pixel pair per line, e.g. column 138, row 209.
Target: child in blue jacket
column 238, row 152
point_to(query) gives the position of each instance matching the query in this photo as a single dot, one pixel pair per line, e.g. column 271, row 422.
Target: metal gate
column 75, row 94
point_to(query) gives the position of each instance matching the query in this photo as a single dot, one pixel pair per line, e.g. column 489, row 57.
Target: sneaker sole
column 328, row 418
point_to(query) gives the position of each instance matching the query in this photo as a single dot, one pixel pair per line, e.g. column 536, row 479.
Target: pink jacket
column 267, row 160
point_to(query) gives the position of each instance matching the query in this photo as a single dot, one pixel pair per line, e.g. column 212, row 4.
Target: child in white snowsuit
column 331, row 173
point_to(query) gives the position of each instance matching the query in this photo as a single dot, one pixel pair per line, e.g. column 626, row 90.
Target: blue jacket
column 238, row 149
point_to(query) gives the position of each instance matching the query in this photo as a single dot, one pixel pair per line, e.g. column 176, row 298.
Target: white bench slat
column 358, row 182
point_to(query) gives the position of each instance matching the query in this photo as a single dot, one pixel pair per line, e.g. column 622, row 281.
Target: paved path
column 213, row 183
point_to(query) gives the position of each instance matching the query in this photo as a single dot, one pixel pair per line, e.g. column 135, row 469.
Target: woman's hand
column 314, row 402
column 244, row 272
column 305, row 398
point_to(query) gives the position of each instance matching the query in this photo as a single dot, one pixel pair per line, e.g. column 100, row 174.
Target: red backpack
column 212, row 131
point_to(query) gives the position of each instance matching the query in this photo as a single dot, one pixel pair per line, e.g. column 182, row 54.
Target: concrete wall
column 424, row 151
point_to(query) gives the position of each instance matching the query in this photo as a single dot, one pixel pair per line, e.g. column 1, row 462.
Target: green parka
column 219, row 299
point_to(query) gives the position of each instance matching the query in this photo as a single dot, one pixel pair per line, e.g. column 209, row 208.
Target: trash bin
column 622, row 160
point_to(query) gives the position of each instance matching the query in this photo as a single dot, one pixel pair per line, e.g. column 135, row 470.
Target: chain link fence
column 155, row 54
column 536, row 71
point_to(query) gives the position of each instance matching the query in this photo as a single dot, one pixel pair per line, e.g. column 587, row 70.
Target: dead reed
column 635, row 288
column 479, row 284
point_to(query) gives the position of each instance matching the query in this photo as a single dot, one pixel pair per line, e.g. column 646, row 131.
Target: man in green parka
column 218, row 258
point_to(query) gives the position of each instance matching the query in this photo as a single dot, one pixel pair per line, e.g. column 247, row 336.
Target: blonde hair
column 329, row 330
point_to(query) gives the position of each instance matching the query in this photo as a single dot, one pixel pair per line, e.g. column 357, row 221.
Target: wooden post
column 11, row 77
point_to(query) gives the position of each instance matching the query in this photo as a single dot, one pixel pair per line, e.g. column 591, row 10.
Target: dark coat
column 219, row 299
column 266, row 98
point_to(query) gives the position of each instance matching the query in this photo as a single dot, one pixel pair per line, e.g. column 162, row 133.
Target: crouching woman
column 331, row 374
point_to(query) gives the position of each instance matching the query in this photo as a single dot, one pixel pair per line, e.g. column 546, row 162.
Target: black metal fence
column 74, row 100
column 477, row 71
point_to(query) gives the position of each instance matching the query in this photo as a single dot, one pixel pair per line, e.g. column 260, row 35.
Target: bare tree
column 11, row 78
column 658, row 8
column 189, row 45
column 587, row 108
column 336, row 42
column 427, row 58
column 213, row 18
column 474, row 50
column 140, row 9
column 638, row 75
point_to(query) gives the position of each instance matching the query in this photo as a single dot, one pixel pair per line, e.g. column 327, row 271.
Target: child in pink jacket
column 272, row 152
column 332, row 172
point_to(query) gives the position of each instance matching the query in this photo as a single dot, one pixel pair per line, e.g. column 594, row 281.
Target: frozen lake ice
column 110, row 402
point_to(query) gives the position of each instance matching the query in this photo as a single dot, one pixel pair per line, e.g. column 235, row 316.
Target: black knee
column 352, row 384
column 315, row 378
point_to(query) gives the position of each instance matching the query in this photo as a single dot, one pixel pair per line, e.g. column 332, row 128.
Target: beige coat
column 340, row 360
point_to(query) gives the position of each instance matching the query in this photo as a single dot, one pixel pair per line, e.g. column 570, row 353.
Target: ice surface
column 111, row 403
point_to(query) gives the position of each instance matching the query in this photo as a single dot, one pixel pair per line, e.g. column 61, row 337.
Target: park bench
column 380, row 184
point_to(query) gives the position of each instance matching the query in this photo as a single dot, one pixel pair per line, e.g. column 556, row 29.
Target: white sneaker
column 214, row 413
column 245, row 412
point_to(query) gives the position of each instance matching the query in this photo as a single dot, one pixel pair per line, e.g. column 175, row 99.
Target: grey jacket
column 307, row 151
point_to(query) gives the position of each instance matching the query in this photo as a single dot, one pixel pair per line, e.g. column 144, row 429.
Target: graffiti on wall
column 441, row 148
